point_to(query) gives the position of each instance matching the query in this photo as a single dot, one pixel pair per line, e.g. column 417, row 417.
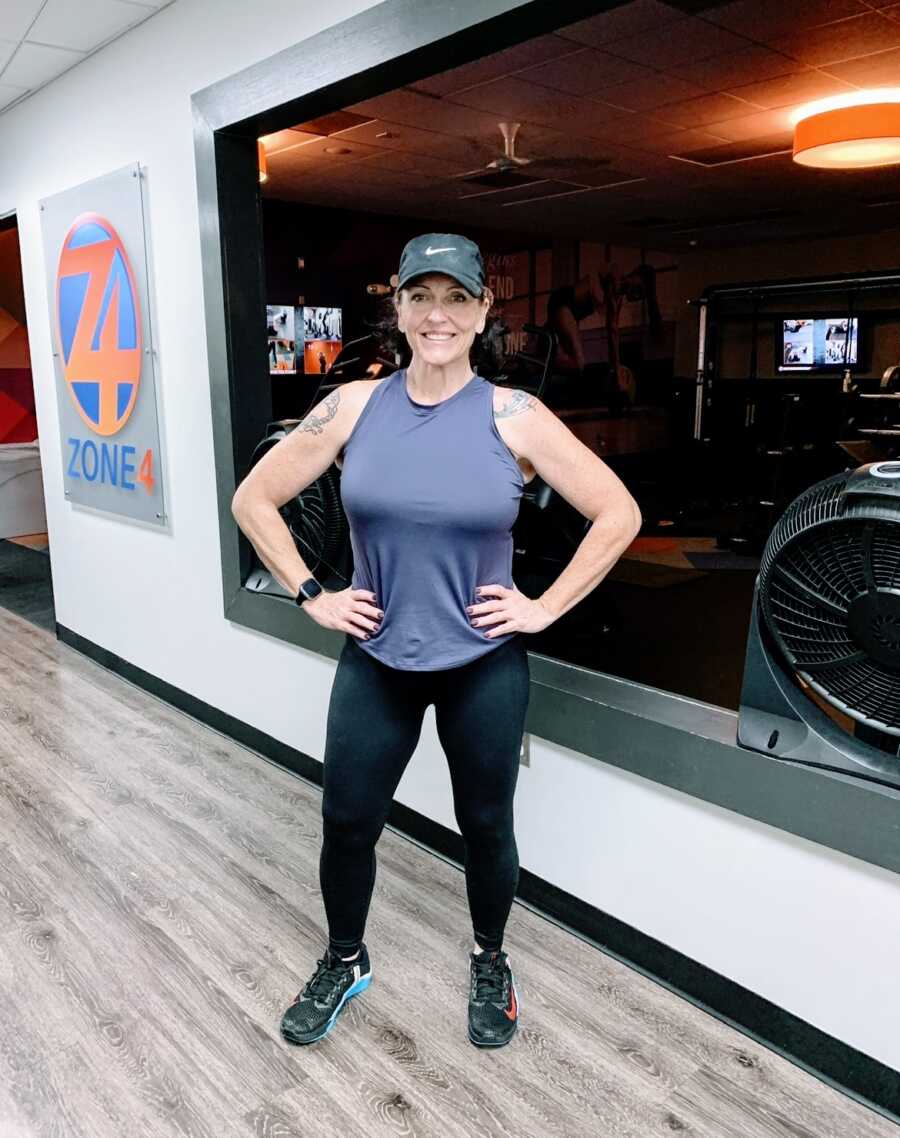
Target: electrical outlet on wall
column 525, row 751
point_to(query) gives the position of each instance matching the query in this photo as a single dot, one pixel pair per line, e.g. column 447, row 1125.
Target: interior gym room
column 648, row 153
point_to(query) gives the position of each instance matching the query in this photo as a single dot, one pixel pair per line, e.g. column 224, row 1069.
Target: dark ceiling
column 657, row 124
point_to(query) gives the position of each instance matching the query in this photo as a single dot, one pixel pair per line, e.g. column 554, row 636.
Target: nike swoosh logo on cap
column 429, row 252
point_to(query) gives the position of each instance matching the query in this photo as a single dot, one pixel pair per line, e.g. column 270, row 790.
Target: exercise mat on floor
column 650, row 575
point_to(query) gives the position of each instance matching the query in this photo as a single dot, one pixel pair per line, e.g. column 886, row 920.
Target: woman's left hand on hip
column 507, row 610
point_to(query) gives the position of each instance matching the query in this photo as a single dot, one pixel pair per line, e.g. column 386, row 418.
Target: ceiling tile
column 767, row 19
column 33, row 65
column 791, row 89
column 753, row 126
column 748, row 65
column 847, row 39
column 706, row 109
column 494, row 66
column 585, row 175
column 16, row 17
column 459, row 116
column 465, row 151
column 418, row 164
column 319, row 149
column 647, row 94
column 486, row 196
column 8, row 93
column 626, row 20
column 371, row 174
column 562, row 193
column 680, row 42
column 563, row 145
column 621, row 131
column 85, row 25
column 883, row 68
column 514, row 96
column 746, row 150
column 674, row 141
column 393, row 136
column 586, row 71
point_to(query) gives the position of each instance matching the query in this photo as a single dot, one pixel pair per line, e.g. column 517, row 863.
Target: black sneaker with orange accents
column 335, row 981
column 493, row 1000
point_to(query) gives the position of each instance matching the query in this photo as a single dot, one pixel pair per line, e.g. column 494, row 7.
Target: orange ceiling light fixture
column 263, row 163
column 849, row 132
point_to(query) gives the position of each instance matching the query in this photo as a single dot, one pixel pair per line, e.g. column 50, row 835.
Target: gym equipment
column 822, row 677
column 782, row 434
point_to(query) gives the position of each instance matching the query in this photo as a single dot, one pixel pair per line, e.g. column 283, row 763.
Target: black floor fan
column 822, row 678
column 318, row 525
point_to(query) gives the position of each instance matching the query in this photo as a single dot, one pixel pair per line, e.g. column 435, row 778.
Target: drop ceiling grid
column 42, row 39
column 519, row 91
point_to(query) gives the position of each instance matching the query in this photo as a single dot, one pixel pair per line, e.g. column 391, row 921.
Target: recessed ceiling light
column 850, row 131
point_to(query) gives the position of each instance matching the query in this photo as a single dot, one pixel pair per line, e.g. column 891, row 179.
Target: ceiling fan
column 509, row 162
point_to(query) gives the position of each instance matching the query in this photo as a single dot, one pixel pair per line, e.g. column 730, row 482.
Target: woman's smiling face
column 440, row 318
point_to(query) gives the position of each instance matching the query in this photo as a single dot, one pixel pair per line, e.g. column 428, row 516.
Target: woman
column 434, row 459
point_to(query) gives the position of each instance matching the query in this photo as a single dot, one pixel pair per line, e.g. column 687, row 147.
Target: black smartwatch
column 309, row 589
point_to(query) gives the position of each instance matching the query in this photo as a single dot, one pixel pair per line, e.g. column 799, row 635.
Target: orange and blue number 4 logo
column 99, row 324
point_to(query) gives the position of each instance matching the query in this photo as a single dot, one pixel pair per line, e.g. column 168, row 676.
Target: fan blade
column 572, row 162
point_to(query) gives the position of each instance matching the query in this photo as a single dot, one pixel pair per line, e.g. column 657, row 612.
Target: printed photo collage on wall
column 306, row 340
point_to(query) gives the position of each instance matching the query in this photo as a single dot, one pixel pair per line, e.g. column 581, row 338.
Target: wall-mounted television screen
column 811, row 343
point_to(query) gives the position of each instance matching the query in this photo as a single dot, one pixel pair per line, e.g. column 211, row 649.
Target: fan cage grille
column 827, row 550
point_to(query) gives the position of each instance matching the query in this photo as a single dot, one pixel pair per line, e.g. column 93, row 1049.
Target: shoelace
column 325, row 981
column 489, row 980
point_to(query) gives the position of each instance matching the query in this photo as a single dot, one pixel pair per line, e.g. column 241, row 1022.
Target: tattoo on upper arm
column 314, row 423
column 521, row 401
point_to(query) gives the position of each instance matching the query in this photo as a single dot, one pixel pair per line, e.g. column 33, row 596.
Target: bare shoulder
column 358, row 393
column 354, row 396
column 521, row 417
column 512, row 402
column 516, row 415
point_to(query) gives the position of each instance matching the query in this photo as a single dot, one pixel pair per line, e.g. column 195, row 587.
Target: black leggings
column 374, row 721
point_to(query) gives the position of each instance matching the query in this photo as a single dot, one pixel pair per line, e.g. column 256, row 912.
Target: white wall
column 780, row 915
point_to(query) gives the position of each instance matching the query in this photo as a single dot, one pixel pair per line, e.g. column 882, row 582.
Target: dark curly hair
column 487, row 356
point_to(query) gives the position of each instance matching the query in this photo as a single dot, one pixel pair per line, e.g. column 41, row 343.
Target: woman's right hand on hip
column 347, row 610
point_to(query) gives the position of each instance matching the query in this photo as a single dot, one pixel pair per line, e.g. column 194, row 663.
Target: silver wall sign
column 96, row 257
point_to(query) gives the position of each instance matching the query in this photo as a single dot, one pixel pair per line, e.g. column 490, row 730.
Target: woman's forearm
column 272, row 540
column 600, row 548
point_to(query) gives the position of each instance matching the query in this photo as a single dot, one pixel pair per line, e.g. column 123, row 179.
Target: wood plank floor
column 159, row 906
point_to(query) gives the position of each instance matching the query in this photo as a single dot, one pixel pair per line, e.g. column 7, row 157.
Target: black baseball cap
column 448, row 253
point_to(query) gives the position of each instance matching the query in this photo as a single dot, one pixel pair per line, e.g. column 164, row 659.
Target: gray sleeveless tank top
column 431, row 493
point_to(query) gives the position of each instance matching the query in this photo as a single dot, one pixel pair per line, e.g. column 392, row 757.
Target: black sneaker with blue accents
column 493, row 1000
column 313, row 1013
